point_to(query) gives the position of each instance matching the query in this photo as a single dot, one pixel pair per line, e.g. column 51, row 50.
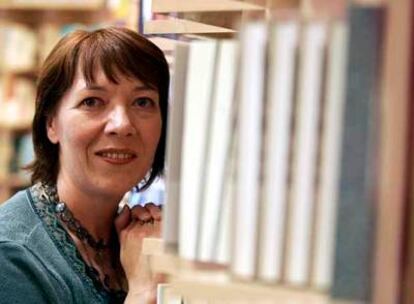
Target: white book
column 218, row 146
column 197, row 107
column 277, row 138
column 330, row 158
column 252, row 71
column 225, row 232
column 305, row 149
column 23, row 39
column 174, row 149
column 222, row 254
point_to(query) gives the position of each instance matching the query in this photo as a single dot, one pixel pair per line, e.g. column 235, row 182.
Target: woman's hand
column 133, row 225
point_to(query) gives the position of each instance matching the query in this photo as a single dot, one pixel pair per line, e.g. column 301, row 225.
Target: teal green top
column 39, row 261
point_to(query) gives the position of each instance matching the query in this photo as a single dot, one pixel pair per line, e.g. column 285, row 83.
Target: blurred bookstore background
column 290, row 140
column 28, row 31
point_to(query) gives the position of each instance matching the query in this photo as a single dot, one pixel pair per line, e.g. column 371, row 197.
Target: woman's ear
column 51, row 129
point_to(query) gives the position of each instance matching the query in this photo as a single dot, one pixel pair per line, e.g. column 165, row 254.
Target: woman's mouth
column 115, row 156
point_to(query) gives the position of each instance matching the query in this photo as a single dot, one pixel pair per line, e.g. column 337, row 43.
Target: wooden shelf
column 10, row 184
column 197, row 280
column 51, row 5
column 180, row 6
column 181, row 26
column 26, row 72
column 15, row 126
column 186, row 279
column 17, row 181
column 14, row 181
column 247, row 292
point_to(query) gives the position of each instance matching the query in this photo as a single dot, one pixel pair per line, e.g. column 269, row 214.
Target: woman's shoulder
column 23, row 269
column 17, row 218
column 34, row 262
column 28, row 278
column 17, row 203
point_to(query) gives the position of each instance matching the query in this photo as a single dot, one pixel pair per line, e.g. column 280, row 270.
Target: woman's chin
column 113, row 189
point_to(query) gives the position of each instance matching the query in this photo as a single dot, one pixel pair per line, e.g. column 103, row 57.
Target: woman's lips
column 117, row 156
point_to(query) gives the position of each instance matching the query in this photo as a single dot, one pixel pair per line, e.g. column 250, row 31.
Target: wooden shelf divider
column 181, row 26
column 207, row 281
column 53, row 5
column 181, row 6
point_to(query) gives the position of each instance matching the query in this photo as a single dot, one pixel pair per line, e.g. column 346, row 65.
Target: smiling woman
column 98, row 130
column 118, row 124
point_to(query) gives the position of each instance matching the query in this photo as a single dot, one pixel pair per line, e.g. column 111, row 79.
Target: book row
column 271, row 152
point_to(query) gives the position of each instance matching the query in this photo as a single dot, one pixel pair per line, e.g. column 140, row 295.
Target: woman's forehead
column 100, row 77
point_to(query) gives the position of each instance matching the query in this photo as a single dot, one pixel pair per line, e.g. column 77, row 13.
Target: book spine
column 278, row 117
column 327, row 197
column 218, row 146
column 196, row 117
column 305, row 146
column 175, row 129
column 253, row 59
column 356, row 209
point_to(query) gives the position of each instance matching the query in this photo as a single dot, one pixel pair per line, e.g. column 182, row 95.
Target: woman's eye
column 91, row 102
column 144, row 102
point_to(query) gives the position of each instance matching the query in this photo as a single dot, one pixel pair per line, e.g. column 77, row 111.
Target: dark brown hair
column 117, row 51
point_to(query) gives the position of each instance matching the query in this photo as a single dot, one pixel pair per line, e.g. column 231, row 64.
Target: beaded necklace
column 67, row 218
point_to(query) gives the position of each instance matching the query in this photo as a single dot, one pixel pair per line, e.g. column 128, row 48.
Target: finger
column 156, row 229
column 123, row 219
column 152, row 298
column 140, row 213
column 154, row 210
column 160, row 278
column 141, row 230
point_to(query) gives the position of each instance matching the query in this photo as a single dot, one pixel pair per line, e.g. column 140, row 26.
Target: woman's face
column 107, row 133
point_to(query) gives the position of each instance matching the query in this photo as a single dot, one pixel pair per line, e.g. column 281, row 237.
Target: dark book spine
column 355, row 229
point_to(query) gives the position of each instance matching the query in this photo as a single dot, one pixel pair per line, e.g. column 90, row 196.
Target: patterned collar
column 44, row 206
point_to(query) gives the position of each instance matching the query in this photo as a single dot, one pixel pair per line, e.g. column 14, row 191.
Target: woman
column 99, row 129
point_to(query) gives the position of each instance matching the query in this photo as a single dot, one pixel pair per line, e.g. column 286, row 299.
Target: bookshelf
column 11, row 139
column 394, row 183
column 210, row 18
column 165, row 6
column 50, row 5
column 181, row 26
column 28, row 30
column 198, row 281
column 194, row 280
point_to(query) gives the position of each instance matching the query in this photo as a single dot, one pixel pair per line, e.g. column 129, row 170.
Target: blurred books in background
column 29, row 29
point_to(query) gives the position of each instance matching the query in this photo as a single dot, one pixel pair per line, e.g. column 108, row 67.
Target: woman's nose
column 119, row 122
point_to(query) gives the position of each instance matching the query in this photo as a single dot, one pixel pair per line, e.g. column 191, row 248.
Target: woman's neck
column 95, row 211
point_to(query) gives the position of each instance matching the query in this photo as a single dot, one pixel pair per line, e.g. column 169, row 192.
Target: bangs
column 118, row 56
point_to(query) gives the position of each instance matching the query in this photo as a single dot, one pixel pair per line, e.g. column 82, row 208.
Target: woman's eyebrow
column 138, row 88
